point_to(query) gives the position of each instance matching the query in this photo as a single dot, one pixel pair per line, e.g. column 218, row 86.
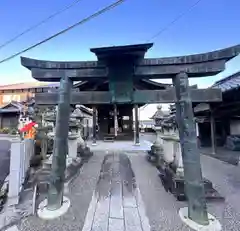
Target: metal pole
column 136, row 124
column 94, row 124
column 115, row 121
column 57, row 177
column 213, row 140
column 194, row 186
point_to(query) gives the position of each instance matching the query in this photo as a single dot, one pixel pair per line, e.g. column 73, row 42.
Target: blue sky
column 210, row 25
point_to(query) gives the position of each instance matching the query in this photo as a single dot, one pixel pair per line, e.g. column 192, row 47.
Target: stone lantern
column 82, row 149
column 78, row 117
column 73, row 136
column 50, row 120
column 156, row 152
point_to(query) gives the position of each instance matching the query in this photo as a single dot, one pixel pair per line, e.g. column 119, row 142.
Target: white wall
column 235, row 127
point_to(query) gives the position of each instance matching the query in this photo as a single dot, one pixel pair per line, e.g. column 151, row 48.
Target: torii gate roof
column 198, row 65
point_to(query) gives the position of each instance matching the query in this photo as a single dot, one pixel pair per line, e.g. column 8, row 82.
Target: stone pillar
column 80, row 140
column 14, row 172
column 72, row 146
column 178, row 159
column 94, row 126
column 55, row 192
column 194, row 187
column 115, row 121
column 136, row 140
column 213, row 139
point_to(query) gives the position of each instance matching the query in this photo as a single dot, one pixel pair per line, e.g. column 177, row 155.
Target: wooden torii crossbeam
column 121, row 65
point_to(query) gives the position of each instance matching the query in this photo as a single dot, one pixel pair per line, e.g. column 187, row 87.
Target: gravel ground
column 162, row 208
column 80, row 194
column 224, row 176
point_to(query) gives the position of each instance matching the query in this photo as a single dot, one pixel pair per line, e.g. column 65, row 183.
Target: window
column 9, row 98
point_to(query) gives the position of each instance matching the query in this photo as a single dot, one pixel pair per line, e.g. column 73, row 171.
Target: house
column 9, row 115
column 22, row 91
column 218, row 121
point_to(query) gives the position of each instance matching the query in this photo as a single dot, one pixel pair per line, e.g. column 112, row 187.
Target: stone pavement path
column 116, row 203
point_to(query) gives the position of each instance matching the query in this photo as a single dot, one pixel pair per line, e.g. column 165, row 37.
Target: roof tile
column 229, row 83
column 17, row 86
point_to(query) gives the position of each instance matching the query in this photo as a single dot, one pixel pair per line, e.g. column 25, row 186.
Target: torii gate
column 121, row 65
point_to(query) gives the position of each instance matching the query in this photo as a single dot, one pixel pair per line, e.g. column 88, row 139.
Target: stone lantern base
column 84, row 152
column 156, row 153
column 171, row 171
column 174, row 183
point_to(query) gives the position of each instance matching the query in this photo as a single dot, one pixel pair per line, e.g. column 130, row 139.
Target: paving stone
column 141, row 211
column 116, row 224
column 116, row 201
column 132, row 217
column 133, row 228
column 100, row 221
column 129, row 201
column 90, row 214
column 13, row 228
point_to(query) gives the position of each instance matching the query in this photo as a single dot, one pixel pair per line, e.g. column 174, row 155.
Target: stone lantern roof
column 170, row 120
column 159, row 114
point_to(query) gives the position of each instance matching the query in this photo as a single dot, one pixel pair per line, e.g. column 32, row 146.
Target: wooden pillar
column 194, row 187
column 94, row 126
column 136, row 125
column 115, row 120
column 213, row 138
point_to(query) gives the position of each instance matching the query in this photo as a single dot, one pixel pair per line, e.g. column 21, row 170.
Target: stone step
column 109, row 139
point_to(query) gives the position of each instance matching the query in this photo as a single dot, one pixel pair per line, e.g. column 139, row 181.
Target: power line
column 172, row 23
column 109, row 7
column 39, row 24
column 174, row 20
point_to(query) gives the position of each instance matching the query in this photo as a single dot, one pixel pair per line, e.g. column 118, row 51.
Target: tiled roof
column 86, row 109
column 229, row 83
column 17, row 107
column 28, row 85
column 160, row 114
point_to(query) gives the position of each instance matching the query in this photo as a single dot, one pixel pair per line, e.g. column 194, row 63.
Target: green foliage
column 13, row 131
column 4, row 131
